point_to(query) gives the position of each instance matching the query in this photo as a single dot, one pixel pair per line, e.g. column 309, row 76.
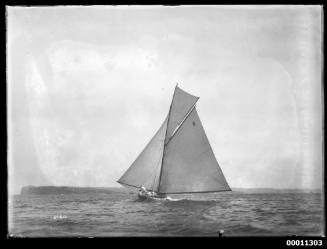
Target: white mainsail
column 179, row 158
column 190, row 165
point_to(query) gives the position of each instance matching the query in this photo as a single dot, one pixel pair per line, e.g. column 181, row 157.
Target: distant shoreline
column 40, row 190
column 43, row 190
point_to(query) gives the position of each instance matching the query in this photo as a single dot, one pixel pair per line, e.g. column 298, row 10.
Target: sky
column 88, row 87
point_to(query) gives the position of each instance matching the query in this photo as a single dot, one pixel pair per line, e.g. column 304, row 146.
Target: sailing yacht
column 179, row 158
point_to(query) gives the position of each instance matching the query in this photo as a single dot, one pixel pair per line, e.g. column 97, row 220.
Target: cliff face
column 47, row 190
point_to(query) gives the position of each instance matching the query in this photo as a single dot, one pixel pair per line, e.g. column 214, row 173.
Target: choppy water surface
column 121, row 214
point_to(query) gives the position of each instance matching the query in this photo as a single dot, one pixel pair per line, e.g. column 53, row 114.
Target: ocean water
column 122, row 214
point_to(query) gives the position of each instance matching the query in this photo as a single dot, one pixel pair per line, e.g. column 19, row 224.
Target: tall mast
column 164, row 149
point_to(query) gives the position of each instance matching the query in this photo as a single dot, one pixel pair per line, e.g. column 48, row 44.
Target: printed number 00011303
column 304, row 242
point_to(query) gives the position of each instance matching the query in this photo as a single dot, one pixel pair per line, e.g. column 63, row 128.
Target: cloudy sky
column 89, row 86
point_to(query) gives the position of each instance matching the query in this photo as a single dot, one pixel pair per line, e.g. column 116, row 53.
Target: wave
column 194, row 215
column 59, row 217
